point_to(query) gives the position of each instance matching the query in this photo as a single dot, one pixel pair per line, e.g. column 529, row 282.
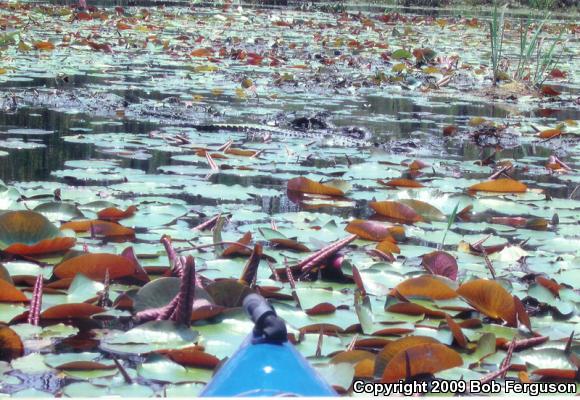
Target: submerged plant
column 450, row 222
column 497, row 30
column 533, row 60
column 532, row 56
column 542, row 4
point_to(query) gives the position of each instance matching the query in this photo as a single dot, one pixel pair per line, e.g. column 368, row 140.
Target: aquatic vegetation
column 534, row 61
column 497, row 31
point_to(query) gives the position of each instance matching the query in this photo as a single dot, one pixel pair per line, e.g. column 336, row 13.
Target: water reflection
column 388, row 117
column 37, row 164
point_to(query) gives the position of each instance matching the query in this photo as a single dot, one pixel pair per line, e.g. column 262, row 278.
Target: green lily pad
column 547, row 358
column 83, row 288
column 58, row 211
column 85, row 389
column 401, row 54
column 340, row 375
column 30, row 364
column 184, row 390
column 150, row 336
column 161, row 369
column 32, row 393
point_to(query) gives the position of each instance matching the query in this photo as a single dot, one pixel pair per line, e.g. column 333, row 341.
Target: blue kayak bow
column 266, row 364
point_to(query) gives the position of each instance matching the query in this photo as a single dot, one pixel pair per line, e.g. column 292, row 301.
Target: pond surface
column 104, row 108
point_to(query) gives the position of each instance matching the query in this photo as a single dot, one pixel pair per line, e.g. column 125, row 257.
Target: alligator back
column 335, row 137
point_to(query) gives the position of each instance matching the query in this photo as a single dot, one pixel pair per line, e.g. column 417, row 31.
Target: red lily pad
column 10, row 344
column 31, row 233
column 95, row 266
column 422, row 359
column 440, row 263
column 10, row 294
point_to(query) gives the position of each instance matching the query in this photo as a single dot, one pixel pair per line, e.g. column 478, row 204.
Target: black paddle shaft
column 268, row 327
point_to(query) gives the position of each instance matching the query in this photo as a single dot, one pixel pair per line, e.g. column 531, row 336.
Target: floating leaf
column 555, row 373
column 490, row 298
column 155, row 332
column 395, row 210
column 10, row 344
column 288, row 244
column 85, row 366
column 191, row 357
column 157, row 293
column 392, row 349
column 305, row 185
column 236, row 250
column 440, row 263
column 450, row 130
column 477, row 121
column 387, row 246
column 228, row 292
column 415, row 309
column 95, row 266
column 550, row 133
column 424, row 54
column 486, row 346
column 10, row 294
column 362, row 305
column 158, row 368
column 5, row 275
column 44, row 46
column 548, row 90
column 70, row 311
column 457, row 332
column 426, row 286
column 201, row 53
column 149, row 337
column 522, row 313
column 115, row 214
column 339, row 376
column 398, row 68
column 503, row 185
column 549, row 284
column 425, row 210
column 416, row 165
column 520, row 222
column 363, row 362
column 241, row 152
column 249, row 274
column 86, row 389
column 427, row 358
column 547, row 358
column 401, row 54
column 59, row 211
column 30, row 233
column 401, row 182
column 375, row 230
column 99, row 228
column 82, row 289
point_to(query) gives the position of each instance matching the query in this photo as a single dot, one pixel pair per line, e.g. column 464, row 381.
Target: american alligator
column 283, row 124
column 173, row 112
column 315, row 127
column 340, row 137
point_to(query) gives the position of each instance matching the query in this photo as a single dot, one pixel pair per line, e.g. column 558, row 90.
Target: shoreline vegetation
column 559, row 8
